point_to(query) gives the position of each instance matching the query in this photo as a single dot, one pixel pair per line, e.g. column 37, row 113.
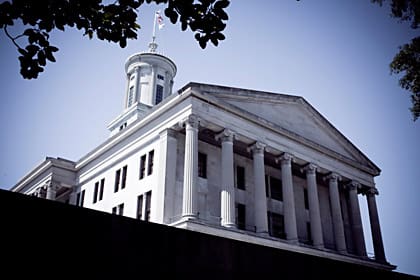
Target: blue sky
column 333, row 53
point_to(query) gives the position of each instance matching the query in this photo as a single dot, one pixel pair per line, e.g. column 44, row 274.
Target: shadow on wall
column 41, row 238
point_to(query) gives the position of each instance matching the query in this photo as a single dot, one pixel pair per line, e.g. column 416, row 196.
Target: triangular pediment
column 292, row 114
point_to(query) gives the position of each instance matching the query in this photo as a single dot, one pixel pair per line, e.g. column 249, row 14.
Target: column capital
column 372, row 191
column 285, row 158
column 257, row 148
column 226, row 135
column 193, row 120
column 332, row 177
column 353, row 185
column 310, row 168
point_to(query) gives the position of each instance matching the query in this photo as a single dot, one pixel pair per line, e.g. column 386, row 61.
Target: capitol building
column 260, row 167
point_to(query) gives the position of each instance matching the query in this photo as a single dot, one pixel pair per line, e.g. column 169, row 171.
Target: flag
column 159, row 20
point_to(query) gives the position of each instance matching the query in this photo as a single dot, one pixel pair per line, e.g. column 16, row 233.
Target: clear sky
column 333, row 53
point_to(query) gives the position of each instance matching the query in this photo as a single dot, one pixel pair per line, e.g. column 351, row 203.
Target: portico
column 231, row 140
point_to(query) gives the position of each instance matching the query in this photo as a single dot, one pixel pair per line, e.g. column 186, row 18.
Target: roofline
column 44, row 165
column 376, row 169
column 183, row 93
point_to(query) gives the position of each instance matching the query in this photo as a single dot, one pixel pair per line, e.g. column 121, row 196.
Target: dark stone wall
column 50, row 240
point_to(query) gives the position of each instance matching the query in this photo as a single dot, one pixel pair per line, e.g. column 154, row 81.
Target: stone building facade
column 255, row 166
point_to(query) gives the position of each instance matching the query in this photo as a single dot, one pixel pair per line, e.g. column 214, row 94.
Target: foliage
column 407, row 60
column 115, row 22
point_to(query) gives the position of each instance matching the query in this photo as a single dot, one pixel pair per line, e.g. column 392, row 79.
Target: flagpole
column 153, row 45
column 154, row 29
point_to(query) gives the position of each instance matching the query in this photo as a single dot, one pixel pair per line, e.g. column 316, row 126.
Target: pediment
column 292, row 114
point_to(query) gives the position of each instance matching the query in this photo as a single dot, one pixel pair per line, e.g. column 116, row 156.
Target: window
column 273, row 188
column 124, row 177
column 118, row 210
column 240, row 216
column 82, row 198
column 240, row 177
column 95, row 192
column 276, row 189
column 101, row 189
column 121, row 209
column 78, row 199
column 124, row 125
column 148, row 205
column 142, row 166
column 276, row 225
column 131, row 96
column 132, row 77
column 202, row 165
column 305, row 198
column 159, row 94
column 150, row 164
column 160, row 77
column 140, row 207
column 267, row 187
column 117, row 180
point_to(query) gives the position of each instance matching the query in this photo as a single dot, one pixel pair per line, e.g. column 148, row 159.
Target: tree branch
column 13, row 39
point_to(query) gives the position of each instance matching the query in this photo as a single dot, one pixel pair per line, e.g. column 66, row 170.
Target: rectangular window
column 150, row 164
column 82, row 198
column 160, row 77
column 121, row 209
column 140, row 207
column 95, row 192
column 202, row 165
column 78, row 199
column 142, row 166
column 124, row 177
column 267, row 186
column 240, row 177
column 117, row 180
column 305, row 198
column 276, row 189
column 148, row 205
column 240, row 216
column 101, row 189
column 276, row 225
column 159, row 94
column 114, row 210
column 131, row 96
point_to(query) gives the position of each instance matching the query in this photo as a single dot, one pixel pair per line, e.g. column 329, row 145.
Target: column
column 162, row 198
column 227, row 190
column 375, row 227
column 260, row 200
column 356, row 219
column 189, row 198
column 338, row 227
column 289, row 211
column 51, row 190
column 138, row 84
column 313, row 200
